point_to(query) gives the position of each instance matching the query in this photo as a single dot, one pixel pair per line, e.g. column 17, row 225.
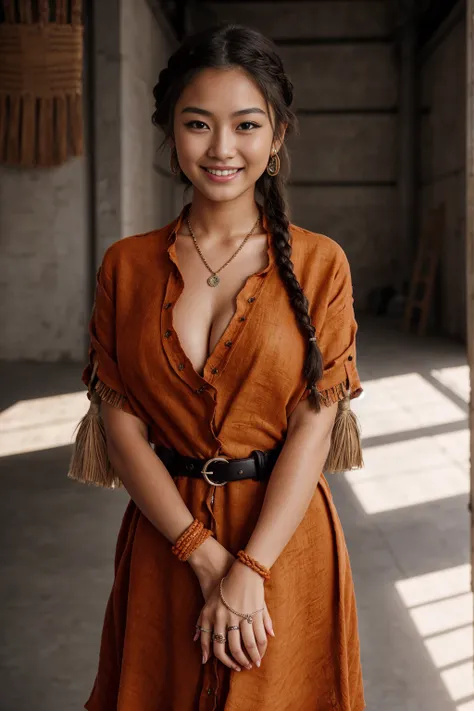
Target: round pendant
column 213, row 280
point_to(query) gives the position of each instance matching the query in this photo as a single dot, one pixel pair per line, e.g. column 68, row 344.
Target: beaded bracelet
column 257, row 567
column 194, row 543
column 190, row 540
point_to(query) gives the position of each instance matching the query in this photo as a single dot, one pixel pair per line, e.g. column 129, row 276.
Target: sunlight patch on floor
column 469, row 706
column 404, row 403
column 406, row 474
column 414, row 470
column 456, row 379
column 41, row 423
column 440, row 605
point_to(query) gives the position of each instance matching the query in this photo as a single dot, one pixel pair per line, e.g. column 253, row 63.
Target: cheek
column 257, row 148
column 189, row 145
column 185, row 145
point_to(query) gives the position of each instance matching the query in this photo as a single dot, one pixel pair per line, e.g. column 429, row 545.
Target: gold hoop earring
column 273, row 167
column 174, row 164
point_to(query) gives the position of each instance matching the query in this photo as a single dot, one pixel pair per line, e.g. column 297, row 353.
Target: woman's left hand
column 243, row 590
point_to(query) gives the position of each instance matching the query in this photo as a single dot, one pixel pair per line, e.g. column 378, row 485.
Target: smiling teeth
column 222, row 172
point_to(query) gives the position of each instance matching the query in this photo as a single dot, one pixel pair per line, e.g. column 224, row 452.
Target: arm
column 303, row 457
column 152, row 489
column 133, row 461
column 293, row 481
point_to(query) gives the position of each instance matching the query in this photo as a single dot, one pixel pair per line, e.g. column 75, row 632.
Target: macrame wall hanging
column 40, row 81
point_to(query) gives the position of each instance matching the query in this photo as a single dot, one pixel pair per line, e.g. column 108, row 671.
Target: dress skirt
column 148, row 660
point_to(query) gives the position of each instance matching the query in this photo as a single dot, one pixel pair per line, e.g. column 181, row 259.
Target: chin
column 222, row 193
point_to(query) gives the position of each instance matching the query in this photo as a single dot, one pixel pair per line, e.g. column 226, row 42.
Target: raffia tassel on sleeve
column 345, row 452
column 90, row 462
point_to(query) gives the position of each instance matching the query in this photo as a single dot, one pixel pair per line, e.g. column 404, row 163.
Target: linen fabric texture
column 251, row 383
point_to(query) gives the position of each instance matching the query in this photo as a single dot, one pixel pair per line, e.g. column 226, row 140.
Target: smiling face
column 223, row 133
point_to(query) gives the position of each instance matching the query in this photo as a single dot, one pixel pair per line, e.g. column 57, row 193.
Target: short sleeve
column 337, row 340
column 102, row 373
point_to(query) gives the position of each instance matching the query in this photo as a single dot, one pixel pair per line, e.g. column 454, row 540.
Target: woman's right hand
column 211, row 562
column 247, row 643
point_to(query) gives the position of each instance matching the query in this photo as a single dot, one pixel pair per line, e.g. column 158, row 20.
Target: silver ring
column 202, row 629
column 233, row 627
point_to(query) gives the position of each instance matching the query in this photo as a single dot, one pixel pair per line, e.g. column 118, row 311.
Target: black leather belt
column 220, row 470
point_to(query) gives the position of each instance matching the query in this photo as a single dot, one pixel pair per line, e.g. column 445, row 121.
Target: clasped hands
column 246, row 643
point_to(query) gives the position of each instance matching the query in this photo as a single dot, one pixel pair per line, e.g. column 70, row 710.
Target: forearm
column 150, row 485
column 291, row 487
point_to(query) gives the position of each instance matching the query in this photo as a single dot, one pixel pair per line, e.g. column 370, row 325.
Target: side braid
column 273, row 192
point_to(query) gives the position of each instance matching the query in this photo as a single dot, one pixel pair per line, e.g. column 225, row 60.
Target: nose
column 222, row 145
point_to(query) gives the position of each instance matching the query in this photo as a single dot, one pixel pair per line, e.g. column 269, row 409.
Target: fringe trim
column 90, row 462
column 333, row 395
column 345, row 452
column 111, row 397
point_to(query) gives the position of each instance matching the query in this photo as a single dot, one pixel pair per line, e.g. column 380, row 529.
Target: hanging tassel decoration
column 41, row 68
column 345, row 452
column 90, row 462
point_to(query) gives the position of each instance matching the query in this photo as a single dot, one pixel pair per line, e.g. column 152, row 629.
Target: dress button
column 168, row 305
column 215, row 370
column 181, row 366
column 228, row 344
column 242, row 318
column 167, row 334
column 251, row 299
column 349, row 358
column 209, row 691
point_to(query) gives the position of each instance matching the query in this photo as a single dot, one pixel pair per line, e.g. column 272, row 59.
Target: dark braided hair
column 237, row 46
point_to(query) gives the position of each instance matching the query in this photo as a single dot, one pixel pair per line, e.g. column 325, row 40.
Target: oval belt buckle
column 205, row 472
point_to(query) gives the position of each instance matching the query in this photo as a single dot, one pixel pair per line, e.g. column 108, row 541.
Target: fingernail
column 249, row 666
column 238, row 669
column 195, row 636
column 272, row 632
column 203, row 658
column 257, row 662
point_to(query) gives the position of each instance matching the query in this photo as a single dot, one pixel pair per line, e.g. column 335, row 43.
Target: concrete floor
column 405, row 517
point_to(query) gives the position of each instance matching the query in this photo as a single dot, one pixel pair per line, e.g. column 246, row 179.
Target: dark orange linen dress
column 251, row 383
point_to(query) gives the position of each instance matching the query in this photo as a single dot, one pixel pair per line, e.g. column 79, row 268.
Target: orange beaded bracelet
column 190, row 540
column 257, row 567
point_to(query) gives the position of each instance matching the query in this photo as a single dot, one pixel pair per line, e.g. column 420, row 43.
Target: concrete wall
column 345, row 158
column 147, row 195
column 46, row 269
column 134, row 194
column 43, row 236
column 443, row 173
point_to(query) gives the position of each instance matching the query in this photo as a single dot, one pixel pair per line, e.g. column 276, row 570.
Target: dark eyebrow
column 203, row 112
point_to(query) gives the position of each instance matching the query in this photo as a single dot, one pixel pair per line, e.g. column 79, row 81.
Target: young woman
column 227, row 341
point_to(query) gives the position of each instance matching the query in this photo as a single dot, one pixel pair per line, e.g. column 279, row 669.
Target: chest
column 202, row 314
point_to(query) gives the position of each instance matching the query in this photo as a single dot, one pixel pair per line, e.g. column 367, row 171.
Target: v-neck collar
column 177, row 223
column 246, row 301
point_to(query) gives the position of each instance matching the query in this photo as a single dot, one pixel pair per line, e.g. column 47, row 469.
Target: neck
column 223, row 219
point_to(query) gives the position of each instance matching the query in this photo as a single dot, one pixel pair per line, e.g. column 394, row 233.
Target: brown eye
column 196, row 124
column 248, row 125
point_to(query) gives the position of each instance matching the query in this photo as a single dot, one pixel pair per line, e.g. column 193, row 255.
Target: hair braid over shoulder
column 273, row 191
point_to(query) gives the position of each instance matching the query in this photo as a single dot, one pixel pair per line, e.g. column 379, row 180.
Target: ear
column 278, row 140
